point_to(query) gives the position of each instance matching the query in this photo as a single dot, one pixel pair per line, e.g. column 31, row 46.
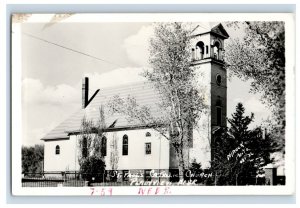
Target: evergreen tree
column 241, row 153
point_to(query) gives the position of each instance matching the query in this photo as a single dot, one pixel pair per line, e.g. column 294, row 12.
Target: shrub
column 93, row 167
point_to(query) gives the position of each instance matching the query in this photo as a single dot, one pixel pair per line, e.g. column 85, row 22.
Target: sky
column 52, row 75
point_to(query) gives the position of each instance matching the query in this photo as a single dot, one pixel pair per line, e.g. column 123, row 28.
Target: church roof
column 205, row 27
column 144, row 93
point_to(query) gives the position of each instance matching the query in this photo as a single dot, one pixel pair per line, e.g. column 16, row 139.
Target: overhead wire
column 70, row 49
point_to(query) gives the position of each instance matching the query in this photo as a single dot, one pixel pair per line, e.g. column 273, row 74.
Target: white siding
column 67, row 160
column 137, row 158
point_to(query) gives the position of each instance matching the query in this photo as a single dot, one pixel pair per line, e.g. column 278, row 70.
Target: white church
column 141, row 149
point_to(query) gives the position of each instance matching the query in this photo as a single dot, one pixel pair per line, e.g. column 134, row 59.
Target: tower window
column 148, row 148
column 199, row 50
column 57, row 150
column 207, row 49
column 216, row 48
column 125, row 145
column 219, row 116
column 104, row 146
column 219, row 79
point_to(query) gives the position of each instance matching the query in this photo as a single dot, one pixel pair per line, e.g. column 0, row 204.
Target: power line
column 70, row 49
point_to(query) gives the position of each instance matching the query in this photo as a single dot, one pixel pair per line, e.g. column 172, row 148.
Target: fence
column 76, row 179
column 70, row 179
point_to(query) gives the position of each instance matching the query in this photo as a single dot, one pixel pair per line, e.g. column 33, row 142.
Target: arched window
column 57, row 150
column 218, row 79
column 104, row 146
column 125, row 145
column 200, row 50
column 84, row 147
column 148, row 148
column 148, row 134
column 216, row 50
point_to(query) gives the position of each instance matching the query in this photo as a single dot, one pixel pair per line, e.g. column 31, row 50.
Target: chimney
column 85, row 92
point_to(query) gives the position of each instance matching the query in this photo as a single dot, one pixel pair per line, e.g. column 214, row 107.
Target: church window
column 199, row 50
column 216, row 50
column 219, row 79
column 57, row 150
column 104, row 146
column 207, row 49
column 148, row 148
column 125, row 145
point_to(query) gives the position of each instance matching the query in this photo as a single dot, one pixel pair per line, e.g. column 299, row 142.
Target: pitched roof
column 205, row 27
column 219, row 29
column 144, row 93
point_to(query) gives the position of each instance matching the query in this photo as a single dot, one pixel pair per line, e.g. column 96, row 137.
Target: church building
column 138, row 148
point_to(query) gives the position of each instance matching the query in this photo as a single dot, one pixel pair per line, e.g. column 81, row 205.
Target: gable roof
column 219, row 29
column 144, row 93
column 206, row 27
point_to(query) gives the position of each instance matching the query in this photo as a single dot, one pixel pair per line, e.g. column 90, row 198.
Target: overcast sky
column 51, row 75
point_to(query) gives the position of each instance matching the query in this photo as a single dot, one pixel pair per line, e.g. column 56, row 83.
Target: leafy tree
column 114, row 155
column 91, row 150
column 32, row 159
column 259, row 56
column 176, row 82
column 241, row 153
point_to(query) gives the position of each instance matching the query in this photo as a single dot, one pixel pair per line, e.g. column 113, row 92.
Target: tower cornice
column 207, row 60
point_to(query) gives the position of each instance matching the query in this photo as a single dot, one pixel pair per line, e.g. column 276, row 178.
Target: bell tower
column 207, row 45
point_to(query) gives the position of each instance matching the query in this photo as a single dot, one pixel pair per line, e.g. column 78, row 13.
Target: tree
column 259, row 56
column 240, row 153
column 93, row 167
column 91, row 146
column 114, row 155
column 176, row 82
column 32, row 159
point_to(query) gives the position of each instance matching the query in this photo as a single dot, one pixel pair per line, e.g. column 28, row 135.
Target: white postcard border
column 288, row 189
